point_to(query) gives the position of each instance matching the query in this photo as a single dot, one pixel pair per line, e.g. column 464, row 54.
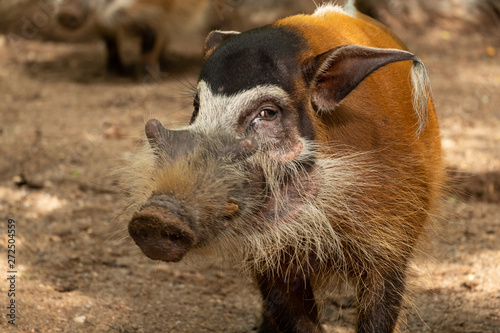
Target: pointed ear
column 214, row 39
column 335, row 73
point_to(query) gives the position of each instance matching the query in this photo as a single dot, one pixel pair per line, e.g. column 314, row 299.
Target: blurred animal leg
column 114, row 63
column 152, row 42
column 380, row 297
column 289, row 305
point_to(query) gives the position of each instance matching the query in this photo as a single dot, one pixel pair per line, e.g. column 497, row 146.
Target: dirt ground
column 65, row 125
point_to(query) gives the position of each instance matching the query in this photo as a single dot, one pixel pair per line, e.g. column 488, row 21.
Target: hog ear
column 335, row 73
column 214, row 39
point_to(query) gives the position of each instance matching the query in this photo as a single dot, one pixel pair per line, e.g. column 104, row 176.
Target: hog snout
column 73, row 14
column 161, row 232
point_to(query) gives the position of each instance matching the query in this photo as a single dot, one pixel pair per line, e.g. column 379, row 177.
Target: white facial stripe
column 221, row 111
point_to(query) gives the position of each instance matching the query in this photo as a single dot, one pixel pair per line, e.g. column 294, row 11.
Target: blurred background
column 75, row 92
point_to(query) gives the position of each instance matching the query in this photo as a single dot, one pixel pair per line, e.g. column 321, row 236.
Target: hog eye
column 267, row 114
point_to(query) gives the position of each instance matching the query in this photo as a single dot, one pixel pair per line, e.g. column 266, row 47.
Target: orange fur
column 367, row 109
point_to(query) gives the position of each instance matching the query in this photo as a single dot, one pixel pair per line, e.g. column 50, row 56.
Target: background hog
column 156, row 22
column 313, row 153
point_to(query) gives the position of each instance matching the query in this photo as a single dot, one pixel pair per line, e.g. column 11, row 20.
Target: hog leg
column 380, row 297
column 288, row 305
column 114, row 63
column 151, row 47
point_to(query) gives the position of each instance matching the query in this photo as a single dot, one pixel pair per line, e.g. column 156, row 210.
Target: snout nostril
column 142, row 234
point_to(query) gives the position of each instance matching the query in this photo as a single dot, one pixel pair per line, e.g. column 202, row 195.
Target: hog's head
column 247, row 160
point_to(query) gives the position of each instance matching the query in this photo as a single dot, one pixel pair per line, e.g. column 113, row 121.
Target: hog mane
column 359, row 219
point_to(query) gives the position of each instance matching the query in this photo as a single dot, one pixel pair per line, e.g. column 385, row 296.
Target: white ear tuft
column 421, row 91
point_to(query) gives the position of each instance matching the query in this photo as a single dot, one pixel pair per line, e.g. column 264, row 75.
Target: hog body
column 313, row 153
column 156, row 22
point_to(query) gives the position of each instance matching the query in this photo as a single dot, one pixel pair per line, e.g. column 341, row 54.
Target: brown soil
column 64, row 126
